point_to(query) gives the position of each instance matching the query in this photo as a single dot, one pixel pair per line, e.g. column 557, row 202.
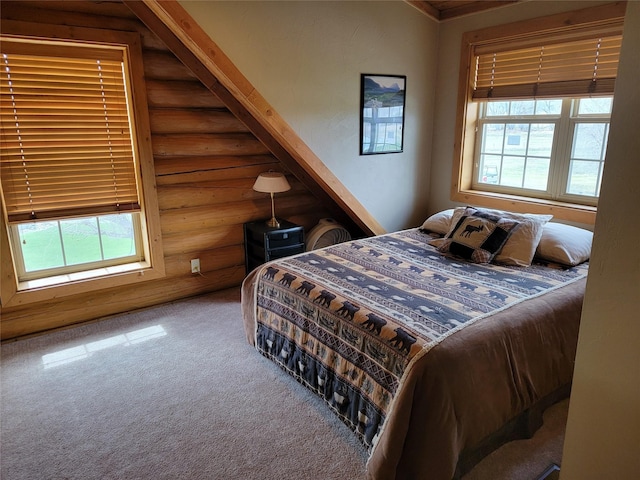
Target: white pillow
column 439, row 222
column 519, row 249
column 564, row 244
column 521, row 246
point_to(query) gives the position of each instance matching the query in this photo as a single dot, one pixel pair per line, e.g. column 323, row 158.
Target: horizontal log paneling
column 198, row 176
column 206, row 217
column 187, row 242
column 164, row 66
column 195, row 121
column 95, row 11
column 205, row 164
column 171, row 170
column 93, row 16
column 205, row 194
column 180, row 94
column 213, row 193
column 150, row 41
column 204, row 144
column 210, row 261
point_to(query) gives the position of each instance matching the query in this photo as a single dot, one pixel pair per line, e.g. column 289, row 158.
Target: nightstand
column 263, row 243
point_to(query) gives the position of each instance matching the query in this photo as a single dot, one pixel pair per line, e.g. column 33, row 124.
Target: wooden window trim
column 11, row 294
column 462, row 172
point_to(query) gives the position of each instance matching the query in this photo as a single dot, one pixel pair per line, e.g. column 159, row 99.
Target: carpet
column 175, row 392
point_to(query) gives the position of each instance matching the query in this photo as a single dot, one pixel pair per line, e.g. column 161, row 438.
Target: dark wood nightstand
column 263, row 243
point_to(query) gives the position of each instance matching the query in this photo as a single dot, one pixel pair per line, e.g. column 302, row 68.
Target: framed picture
column 381, row 113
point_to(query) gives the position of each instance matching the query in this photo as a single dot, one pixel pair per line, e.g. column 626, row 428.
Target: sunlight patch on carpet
column 73, row 354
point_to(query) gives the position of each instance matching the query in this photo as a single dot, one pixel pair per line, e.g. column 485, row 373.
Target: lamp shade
column 271, row 182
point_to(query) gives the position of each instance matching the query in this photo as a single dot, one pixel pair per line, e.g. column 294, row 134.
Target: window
column 75, row 179
column 53, row 247
column 533, row 113
column 547, row 148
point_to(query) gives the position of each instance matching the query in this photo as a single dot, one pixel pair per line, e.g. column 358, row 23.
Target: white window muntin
column 561, row 150
column 24, row 274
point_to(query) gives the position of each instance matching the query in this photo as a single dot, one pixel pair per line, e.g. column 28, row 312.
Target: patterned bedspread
column 349, row 321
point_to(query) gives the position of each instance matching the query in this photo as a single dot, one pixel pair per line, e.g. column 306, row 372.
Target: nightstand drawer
column 285, row 251
column 284, row 238
column 258, row 251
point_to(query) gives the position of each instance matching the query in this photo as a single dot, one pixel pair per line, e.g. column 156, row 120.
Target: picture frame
column 382, row 104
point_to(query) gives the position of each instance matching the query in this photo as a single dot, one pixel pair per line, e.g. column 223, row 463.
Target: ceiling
column 446, row 9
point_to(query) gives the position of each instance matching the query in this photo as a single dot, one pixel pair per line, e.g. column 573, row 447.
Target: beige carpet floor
column 175, row 392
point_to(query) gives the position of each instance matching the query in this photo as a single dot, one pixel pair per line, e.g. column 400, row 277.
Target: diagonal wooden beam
column 186, row 39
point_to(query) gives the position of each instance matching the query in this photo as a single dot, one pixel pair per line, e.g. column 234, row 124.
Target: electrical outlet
column 195, row 265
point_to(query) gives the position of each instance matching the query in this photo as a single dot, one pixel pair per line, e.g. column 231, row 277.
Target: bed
column 431, row 354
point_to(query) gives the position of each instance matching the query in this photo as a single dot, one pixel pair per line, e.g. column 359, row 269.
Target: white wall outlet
column 195, row 265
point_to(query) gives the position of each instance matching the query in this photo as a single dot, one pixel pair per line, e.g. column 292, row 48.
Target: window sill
column 583, row 214
column 33, row 291
column 60, row 280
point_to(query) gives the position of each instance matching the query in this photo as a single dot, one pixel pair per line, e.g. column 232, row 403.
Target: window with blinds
column 79, row 205
column 534, row 105
column 548, row 67
column 66, row 135
column 68, row 161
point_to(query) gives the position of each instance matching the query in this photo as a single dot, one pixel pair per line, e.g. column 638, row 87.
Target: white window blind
column 562, row 66
column 66, row 139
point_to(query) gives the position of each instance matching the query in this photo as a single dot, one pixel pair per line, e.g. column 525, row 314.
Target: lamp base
column 273, row 223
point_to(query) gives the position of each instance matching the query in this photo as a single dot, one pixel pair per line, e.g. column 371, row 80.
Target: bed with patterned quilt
column 432, row 355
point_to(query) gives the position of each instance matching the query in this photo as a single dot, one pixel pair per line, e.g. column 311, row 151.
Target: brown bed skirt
column 523, row 426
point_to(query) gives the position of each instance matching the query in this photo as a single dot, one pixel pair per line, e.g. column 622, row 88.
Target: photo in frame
column 382, row 99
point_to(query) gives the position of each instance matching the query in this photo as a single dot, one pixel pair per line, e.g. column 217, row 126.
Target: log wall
column 205, row 161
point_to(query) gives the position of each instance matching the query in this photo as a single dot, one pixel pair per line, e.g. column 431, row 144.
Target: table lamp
column 271, row 182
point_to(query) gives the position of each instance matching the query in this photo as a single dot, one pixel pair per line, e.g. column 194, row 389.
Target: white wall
column 603, row 430
column 305, row 58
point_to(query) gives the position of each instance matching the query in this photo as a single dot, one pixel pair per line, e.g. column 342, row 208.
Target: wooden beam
column 444, row 10
column 425, row 7
column 458, row 10
column 212, row 67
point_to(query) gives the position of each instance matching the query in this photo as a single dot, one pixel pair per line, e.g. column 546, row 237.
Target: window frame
column 15, row 293
column 73, row 268
column 467, row 112
column 561, row 151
